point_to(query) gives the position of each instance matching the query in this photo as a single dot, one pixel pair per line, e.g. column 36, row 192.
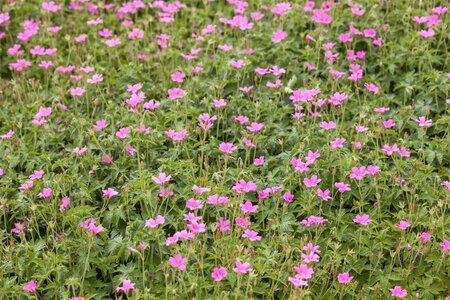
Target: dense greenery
column 224, row 149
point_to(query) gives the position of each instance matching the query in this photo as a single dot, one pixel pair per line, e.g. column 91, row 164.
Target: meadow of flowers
column 224, row 149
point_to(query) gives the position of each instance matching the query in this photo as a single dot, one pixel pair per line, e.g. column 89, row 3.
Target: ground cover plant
column 224, row 149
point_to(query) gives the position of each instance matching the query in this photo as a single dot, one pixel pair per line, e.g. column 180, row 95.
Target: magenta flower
column 219, row 273
column 297, row 281
column 176, row 136
column 251, row 235
column 259, row 161
column 178, row 262
column 79, row 151
column 227, row 148
column 321, row 17
column 358, row 173
column 362, row 219
column 248, row 207
column 344, row 278
column 327, row 125
column 161, row 179
column 337, row 143
column 445, row 245
column 90, row 226
column 46, row 193
column 403, row 224
column 324, row 195
column 100, row 124
column 178, row 77
column 242, row 268
column 175, row 93
column 153, row 223
column 278, row 36
column 424, row 122
column 65, row 202
column 255, row 127
column 30, row 286
column 123, row 133
column 303, row 271
column 398, row 292
column 312, row 181
column 109, row 193
column 77, row 91
column 127, row 286
column 342, row 187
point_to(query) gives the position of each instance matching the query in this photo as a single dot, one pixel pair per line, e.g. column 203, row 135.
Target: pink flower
column 445, row 245
column 424, row 122
column 176, row 136
column 227, row 148
column 255, row 127
column 251, row 235
column 7, row 136
column 244, row 187
column 219, row 103
column 327, row 125
column 403, row 224
column 217, row 200
column 178, row 262
column 219, row 273
column 175, row 93
column 79, row 151
column 358, row 173
column 96, row 78
column 123, row 133
column 242, row 268
column 278, row 36
column 1, row 172
column 223, row 225
column 259, row 161
column 77, row 91
column 161, row 179
column 371, row 87
column 238, row 64
column 342, row 187
column 194, row 204
column 297, row 281
column 127, row 286
column 109, row 193
column 248, row 207
column 425, row 236
column 100, row 124
column 427, row 33
column 178, row 76
column 398, row 292
column 153, row 223
column 324, row 195
column 321, row 17
column 90, row 226
column 362, row 219
column 65, row 202
column 113, row 42
column 288, row 197
column 37, row 174
column 303, row 271
column 389, row 124
column 30, row 286
column 46, row 193
column 107, row 159
column 281, row 8
column 313, row 220
column 337, row 143
column 312, row 181
column 344, row 278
